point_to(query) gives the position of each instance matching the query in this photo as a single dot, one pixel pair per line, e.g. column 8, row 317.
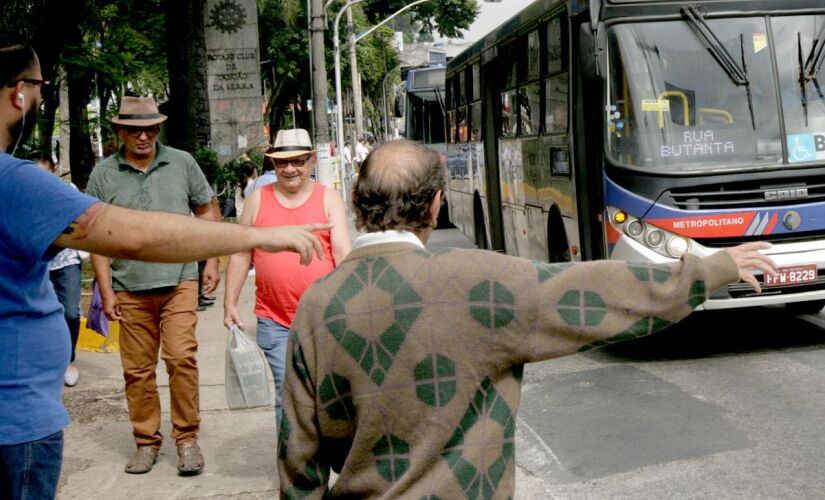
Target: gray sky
column 491, row 16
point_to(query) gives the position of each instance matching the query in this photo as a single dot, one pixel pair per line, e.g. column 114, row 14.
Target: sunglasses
column 137, row 131
column 296, row 162
column 32, row 81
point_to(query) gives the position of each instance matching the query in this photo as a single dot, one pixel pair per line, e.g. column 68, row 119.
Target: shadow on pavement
column 722, row 333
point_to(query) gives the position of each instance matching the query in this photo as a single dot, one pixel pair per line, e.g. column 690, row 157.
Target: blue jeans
column 272, row 338
column 66, row 282
column 31, row 470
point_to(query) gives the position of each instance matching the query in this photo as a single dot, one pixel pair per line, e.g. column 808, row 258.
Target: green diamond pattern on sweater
column 313, row 475
column 547, row 271
column 648, row 272
column 641, row 328
column 697, row 293
column 392, row 457
column 403, row 305
column 476, row 459
column 491, row 304
column 336, row 397
column 582, row 308
column 435, row 381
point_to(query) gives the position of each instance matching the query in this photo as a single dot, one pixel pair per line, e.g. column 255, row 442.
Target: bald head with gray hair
column 396, row 186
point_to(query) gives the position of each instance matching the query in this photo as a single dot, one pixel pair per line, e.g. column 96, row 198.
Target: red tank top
column 279, row 277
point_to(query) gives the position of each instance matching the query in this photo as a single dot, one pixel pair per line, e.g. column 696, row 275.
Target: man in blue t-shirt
column 39, row 215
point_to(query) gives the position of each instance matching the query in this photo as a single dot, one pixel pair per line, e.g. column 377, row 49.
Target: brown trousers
column 165, row 319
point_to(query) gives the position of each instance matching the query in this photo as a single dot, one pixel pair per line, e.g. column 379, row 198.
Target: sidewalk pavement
column 239, row 445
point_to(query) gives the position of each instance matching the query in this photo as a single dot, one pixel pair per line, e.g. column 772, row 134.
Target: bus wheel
column 478, row 222
column 557, row 248
column 810, row 307
column 444, row 216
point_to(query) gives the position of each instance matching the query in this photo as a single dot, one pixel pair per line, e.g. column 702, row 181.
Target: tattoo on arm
column 81, row 227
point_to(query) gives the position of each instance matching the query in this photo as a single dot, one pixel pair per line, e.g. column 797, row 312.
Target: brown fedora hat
column 291, row 143
column 138, row 112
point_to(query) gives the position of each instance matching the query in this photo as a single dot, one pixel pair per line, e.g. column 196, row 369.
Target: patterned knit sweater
column 405, row 368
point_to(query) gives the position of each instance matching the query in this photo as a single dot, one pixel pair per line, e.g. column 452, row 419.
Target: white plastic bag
column 246, row 381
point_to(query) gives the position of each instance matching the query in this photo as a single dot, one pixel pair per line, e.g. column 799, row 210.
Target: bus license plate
column 792, row 275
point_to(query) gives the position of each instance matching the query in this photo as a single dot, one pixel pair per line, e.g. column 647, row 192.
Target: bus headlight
column 657, row 239
column 635, row 228
column 654, row 238
column 677, row 246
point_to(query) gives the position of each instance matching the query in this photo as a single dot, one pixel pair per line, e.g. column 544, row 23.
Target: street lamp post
column 339, row 115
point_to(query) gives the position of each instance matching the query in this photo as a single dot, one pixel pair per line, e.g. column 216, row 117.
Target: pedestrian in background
column 65, row 274
column 361, row 152
column 267, row 177
column 280, row 282
column 249, row 172
column 41, row 215
column 156, row 302
column 347, row 159
column 405, row 366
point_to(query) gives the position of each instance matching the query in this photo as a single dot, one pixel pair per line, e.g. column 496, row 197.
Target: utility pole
column 357, row 103
column 319, row 83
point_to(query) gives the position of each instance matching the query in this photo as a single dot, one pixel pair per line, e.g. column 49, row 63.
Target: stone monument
column 236, row 101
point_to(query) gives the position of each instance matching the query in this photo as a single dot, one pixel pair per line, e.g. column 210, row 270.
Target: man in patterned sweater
column 406, row 365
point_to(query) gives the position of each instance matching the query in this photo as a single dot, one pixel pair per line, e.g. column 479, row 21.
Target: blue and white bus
column 645, row 129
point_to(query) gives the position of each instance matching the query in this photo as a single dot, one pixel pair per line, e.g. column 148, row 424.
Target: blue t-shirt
column 35, row 207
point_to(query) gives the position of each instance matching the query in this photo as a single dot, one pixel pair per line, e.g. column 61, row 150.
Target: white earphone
column 21, row 98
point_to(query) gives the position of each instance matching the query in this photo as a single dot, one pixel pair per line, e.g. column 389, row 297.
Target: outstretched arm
column 164, row 237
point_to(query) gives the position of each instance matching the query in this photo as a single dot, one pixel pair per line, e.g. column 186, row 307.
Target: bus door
column 492, row 83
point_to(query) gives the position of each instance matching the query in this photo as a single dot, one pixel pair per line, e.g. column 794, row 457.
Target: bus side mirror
column 601, row 53
column 592, row 55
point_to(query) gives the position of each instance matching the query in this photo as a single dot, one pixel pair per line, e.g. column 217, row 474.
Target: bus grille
column 772, row 238
column 748, row 194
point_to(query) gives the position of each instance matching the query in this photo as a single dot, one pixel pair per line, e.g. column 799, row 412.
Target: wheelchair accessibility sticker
column 806, row 147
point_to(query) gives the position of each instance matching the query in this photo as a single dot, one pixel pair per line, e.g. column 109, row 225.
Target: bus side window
column 508, row 113
column 556, row 47
column 529, row 99
column 555, row 117
column 451, row 126
column 476, row 82
column 533, row 55
column 475, row 121
column 461, row 123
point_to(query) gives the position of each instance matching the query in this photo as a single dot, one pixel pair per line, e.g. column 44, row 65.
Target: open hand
column 748, row 258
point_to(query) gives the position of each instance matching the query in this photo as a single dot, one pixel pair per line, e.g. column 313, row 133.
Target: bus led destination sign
column 697, row 143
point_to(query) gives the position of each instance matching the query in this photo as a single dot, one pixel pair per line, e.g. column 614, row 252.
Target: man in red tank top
column 281, row 280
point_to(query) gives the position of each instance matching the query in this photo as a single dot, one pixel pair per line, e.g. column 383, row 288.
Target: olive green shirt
column 173, row 183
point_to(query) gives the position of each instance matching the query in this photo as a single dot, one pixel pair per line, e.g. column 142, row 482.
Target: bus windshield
column 681, row 102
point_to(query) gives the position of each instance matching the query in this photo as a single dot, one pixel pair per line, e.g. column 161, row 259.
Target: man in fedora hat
column 41, row 215
column 280, row 282
column 156, row 303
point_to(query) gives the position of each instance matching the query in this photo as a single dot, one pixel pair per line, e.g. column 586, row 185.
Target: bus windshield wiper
column 815, row 57
column 809, row 69
column 738, row 75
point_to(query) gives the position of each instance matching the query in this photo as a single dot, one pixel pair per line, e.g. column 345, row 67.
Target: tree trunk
column 81, row 158
column 319, row 74
column 188, row 127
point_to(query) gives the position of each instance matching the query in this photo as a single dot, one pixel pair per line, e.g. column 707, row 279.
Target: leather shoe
column 142, row 460
column 190, row 458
